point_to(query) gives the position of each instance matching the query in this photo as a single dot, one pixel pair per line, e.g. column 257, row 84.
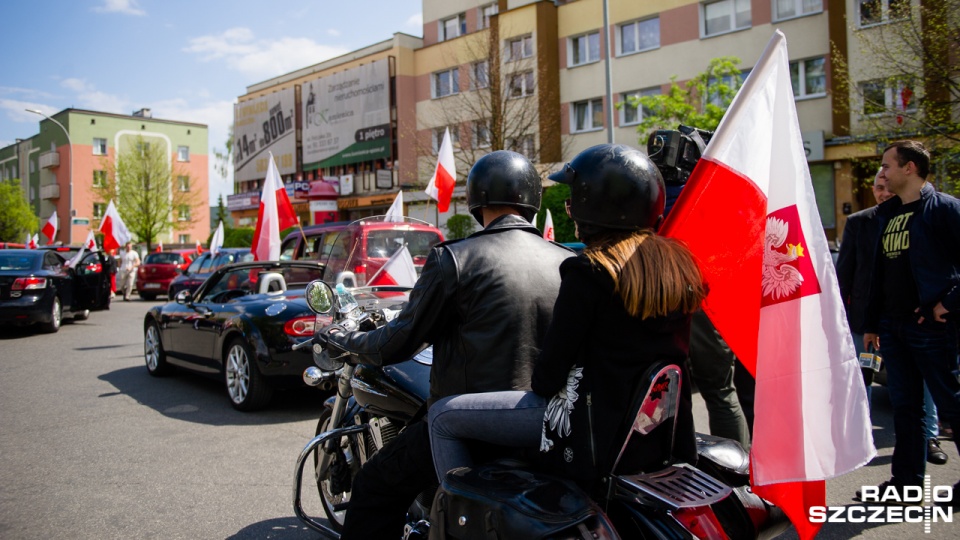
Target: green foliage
column 553, row 199
column 240, row 237
column 16, row 216
column 459, row 226
column 689, row 105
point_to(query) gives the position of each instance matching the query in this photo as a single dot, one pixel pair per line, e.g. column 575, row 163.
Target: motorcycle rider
column 484, row 302
column 625, row 303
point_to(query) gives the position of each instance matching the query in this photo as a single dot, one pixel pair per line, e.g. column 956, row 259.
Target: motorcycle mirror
column 312, row 376
column 319, row 297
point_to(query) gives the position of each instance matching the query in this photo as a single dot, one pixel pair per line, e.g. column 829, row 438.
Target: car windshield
column 12, row 261
column 237, row 282
column 384, row 243
column 163, row 258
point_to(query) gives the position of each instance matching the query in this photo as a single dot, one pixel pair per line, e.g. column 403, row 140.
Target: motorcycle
column 671, row 500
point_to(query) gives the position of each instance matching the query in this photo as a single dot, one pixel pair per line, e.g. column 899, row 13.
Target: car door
column 91, row 282
column 190, row 329
column 58, row 273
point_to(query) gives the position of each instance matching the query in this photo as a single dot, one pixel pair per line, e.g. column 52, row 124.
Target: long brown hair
column 654, row 275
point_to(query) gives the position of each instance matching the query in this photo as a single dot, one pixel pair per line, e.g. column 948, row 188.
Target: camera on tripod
column 676, row 151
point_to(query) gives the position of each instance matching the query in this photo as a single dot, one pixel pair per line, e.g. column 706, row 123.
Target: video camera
column 676, row 152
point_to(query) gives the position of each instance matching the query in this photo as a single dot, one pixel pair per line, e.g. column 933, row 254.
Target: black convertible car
column 240, row 326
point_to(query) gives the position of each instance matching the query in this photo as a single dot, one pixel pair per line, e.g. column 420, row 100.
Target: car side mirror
column 184, row 297
column 319, row 296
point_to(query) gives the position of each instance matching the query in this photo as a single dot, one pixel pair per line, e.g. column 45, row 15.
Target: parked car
column 240, row 326
column 205, row 265
column 367, row 244
column 37, row 287
column 159, row 269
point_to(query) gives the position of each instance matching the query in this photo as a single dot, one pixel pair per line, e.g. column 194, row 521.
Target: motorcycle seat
column 725, row 453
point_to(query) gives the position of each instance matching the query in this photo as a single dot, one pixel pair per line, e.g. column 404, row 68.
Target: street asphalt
column 91, row 446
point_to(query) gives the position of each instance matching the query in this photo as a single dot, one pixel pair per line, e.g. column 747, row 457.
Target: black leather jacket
column 484, row 302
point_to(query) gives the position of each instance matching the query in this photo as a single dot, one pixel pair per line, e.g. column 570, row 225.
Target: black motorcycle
column 506, row 499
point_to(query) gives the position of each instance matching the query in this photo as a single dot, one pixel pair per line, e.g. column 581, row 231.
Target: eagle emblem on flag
column 787, row 269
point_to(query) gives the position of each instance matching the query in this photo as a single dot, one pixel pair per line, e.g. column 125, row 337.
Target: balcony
column 51, row 191
column 48, row 160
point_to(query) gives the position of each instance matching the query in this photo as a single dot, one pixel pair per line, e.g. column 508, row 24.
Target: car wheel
column 148, row 296
column 335, row 482
column 246, row 387
column 81, row 315
column 153, row 353
column 56, row 317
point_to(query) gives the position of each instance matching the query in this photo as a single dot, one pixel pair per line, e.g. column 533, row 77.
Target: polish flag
column 199, row 247
column 275, row 214
column 749, row 215
column 399, row 270
column 160, row 246
column 217, row 241
column 441, row 185
column 50, row 228
column 548, row 227
column 395, row 212
column 32, row 241
column 90, row 244
column 115, row 233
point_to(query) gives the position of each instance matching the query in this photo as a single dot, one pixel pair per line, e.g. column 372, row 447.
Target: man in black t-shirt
column 913, row 301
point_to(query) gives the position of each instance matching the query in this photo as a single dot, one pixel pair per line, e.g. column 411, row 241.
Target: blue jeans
column 509, row 418
column 916, row 354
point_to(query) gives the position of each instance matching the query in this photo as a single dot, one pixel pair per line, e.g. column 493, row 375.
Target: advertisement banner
column 347, row 116
column 264, row 125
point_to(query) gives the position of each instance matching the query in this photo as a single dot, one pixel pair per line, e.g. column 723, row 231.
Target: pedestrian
column 625, row 304
column 913, row 300
column 484, row 302
column 128, row 270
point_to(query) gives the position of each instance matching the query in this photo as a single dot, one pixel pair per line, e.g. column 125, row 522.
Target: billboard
column 264, row 125
column 346, row 116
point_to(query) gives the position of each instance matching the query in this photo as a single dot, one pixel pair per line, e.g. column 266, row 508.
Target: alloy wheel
column 238, row 373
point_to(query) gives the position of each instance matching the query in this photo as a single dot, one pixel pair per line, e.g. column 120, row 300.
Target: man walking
column 913, row 300
column 128, row 270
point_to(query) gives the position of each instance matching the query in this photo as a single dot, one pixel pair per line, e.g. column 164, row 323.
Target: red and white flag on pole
column 90, row 244
column 159, row 246
column 31, row 242
column 216, row 242
column 444, row 178
column 548, row 227
column 398, row 270
column 50, row 227
column 199, row 247
column 749, row 215
column 115, row 233
column 275, row 214
column 395, row 212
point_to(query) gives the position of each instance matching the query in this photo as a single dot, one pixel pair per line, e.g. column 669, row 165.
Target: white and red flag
column 216, row 242
column 90, row 244
column 159, row 246
column 749, row 215
column 548, row 227
column 50, row 227
column 199, row 247
column 395, row 212
column 32, row 241
column 444, row 178
column 398, row 270
column 115, row 233
column 275, row 214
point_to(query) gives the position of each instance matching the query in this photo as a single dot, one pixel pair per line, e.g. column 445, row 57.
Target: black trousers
column 387, row 485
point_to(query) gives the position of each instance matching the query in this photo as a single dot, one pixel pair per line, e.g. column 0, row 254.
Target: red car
column 159, row 269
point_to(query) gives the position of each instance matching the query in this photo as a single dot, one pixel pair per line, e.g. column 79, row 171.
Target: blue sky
column 185, row 60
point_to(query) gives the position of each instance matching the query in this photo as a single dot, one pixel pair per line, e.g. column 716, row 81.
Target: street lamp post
column 70, row 148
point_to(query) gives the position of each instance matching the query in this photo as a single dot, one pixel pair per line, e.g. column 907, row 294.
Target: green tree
column 700, row 103
column 151, row 196
column 240, row 237
column 16, row 216
column 459, row 226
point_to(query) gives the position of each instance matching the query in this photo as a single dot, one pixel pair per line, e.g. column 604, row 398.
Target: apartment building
column 73, row 150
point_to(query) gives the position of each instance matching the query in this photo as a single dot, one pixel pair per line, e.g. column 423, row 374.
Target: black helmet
column 613, row 186
column 507, row 178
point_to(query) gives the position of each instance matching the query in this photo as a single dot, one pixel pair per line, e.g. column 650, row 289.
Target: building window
column 482, row 136
column 788, row 9
column 446, row 83
column 438, row 138
column 99, row 147
column 519, row 48
column 521, row 84
column 639, row 36
column 184, row 239
column 587, row 115
column 730, row 81
column 481, row 75
column 585, row 49
column 522, row 145
column 183, row 213
column 631, row 114
column 99, row 178
column 453, row 27
column 809, row 78
column 725, row 16
column 183, row 153
column 485, row 12
column 33, row 166
column 882, row 11
column 880, row 97
column 183, row 183
column 98, row 210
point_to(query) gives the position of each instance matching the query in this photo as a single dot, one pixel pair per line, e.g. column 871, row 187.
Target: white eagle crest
column 559, row 408
column 779, row 278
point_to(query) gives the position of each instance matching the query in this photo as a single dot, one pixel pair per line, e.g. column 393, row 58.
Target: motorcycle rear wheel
column 324, row 478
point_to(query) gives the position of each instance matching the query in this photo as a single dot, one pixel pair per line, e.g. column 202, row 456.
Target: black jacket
column 934, row 255
column 592, row 330
column 855, row 265
column 484, row 302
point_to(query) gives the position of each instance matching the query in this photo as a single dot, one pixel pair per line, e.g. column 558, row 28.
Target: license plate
column 151, row 285
column 870, row 361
